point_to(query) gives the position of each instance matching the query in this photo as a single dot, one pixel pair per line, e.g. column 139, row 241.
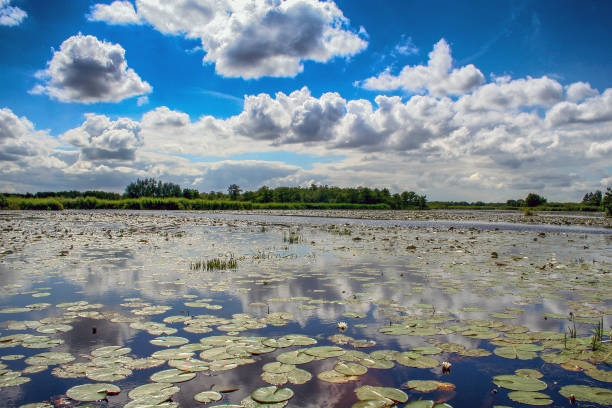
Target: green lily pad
column 92, row 392
column 600, row 375
column 528, row 372
column 190, row 364
column 110, row 351
column 271, row 394
column 38, row 405
column 154, row 391
column 530, row 398
column 298, row 376
column 169, row 341
column 110, row 374
column 278, row 367
column 172, row 376
column 420, row 404
column 519, row 383
column 602, row 396
column 50, row 358
column 334, row 376
column 325, row 351
column 416, row 360
column 350, row 368
column 207, row 396
column 251, row 403
column 427, row 385
column 368, row 392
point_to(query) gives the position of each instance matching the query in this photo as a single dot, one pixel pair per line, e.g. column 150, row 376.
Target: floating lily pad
column 350, row 368
column 111, row 374
column 334, row 376
column 368, row 392
column 416, row 360
column 92, row 392
column 271, row 394
column 207, row 396
column 325, row 351
column 50, row 358
column 602, row 396
column 110, row 351
column 172, row 376
column 530, row 398
column 169, row 341
column 154, row 391
column 519, row 383
column 528, row 372
column 251, row 403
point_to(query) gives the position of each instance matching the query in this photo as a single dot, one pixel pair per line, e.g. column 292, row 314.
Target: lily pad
column 350, row 368
column 172, row 376
column 92, row 392
column 271, row 394
column 207, row 396
column 519, row 383
column 325, row 351
column 368, row 392
column 530, row 398
column 602, row 396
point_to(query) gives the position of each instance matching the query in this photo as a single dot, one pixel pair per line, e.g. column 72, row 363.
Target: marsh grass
column 293, row 237
column 214, row 264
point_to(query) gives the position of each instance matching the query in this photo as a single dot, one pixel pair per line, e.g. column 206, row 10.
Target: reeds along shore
column 150, row 203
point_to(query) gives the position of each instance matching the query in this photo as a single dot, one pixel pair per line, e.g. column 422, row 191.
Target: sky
column 461, row 101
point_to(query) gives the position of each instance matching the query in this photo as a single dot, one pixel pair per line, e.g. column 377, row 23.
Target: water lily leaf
column 530, row 398
column 110, row 374
column 38, row 405
column 519, row 383
column 600, row 375
column 92, row 392
column 377, row 403
column 602, row 396
column 271, row 394
column 295, row 357
column 428, row 385
column 278, row 367
column 154, row 391
column 512, row 352
column 110, row 351
column 334, row 376
column 190, row 364
column 368, row 392
column 416, row 360
column 528, row 372
column 172, row 376
column 298, row 376
column 350, row 368
column 251, row 403
column 172, row 354
column 53, row 328
column 274, row 378
column 325, row 351
column 420, row 404
column 207, row 396
column 427, row 350
column 169, row 341
column 50, row 358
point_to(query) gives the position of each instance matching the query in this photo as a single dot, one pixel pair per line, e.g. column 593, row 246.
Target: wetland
column 292, row 308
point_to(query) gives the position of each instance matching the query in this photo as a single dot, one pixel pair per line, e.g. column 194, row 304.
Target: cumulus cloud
column 100, row 139
column 118, row 12
column 18, row 138
column 10, row 15
column 248, row 39
column 437, row 77
column 294, row 118
column 88, row 70
column 595, row 109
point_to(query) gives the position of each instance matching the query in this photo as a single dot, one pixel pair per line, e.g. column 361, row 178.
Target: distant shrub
column 533, row 200
column 606, row 202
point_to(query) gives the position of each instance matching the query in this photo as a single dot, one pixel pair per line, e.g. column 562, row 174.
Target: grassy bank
column 441, row 205
column 148, row 203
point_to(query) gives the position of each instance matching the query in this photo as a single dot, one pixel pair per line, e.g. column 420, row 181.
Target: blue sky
column 473, row 100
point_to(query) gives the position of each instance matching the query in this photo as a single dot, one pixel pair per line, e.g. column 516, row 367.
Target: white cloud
column 118, row 12
column 596, row 109
column 249, row 39
column 436, row 77
column 579, row 91
column 100, row 139
column 19, row 140
column 406, row 47
column 88, row 70
column 10, row 15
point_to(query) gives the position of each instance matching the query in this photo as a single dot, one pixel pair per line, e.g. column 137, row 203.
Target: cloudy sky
column 475, row 100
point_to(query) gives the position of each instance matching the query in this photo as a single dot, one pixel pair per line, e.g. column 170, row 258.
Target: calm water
column 372, row 275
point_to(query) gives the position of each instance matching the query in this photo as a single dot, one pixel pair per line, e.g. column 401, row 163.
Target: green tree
column 592, row 198
column 533, row 200
column 234, row 191
column 607, row 202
